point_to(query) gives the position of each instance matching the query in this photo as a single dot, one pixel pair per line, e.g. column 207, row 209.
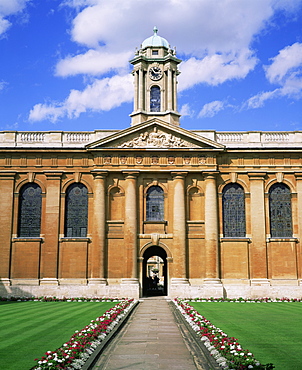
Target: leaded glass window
column 29, row 218
column 155, row 204
column 155, row 99
column 280, row 211
column 76, row 211
column 233, row 203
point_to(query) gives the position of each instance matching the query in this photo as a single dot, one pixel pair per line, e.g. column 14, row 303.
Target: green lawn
column 271, row 331
column 29, row 329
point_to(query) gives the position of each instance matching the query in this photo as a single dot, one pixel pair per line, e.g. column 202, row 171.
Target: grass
column 271, row 331
column 29, row 329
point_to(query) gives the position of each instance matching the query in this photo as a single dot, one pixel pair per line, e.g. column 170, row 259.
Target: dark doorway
column 155, row 272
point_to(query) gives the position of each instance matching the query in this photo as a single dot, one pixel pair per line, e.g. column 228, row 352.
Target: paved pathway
column 151, row 339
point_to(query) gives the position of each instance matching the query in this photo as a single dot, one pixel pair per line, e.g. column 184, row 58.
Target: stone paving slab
column 151, row 339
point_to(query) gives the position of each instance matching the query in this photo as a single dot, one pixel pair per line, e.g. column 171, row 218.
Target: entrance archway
column 155, row 274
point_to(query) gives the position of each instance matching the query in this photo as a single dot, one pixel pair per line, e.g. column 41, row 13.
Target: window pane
column 155, row 99
column 280, row 211
column 76, row 216
column 155, row 204
column 233, row 202
column 30, row 201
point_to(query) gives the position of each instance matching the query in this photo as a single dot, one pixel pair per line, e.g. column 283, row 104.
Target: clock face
column 155, row 73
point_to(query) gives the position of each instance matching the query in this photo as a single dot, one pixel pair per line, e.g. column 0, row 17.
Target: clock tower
column 155, row 81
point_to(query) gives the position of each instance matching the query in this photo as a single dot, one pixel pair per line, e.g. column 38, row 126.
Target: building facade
column 83, row 212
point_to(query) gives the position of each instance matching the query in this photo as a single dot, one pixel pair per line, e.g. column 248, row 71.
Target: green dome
column 155, row 40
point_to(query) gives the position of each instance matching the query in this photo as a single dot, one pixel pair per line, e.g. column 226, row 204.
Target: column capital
column 256, row 175
column 7, row 175
column 210, row 175
column 130, row 174
column 298, row 175
column 179, row 174
column 99, row 174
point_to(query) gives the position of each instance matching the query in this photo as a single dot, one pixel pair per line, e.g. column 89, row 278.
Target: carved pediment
column 154, row 134
column 155, row 139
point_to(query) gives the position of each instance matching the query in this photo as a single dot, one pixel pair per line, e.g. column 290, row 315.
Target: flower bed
column 226, row 350
column 246, row 300
column 64, row 299
column 74, row 353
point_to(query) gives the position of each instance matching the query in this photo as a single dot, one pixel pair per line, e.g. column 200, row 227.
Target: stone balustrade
column 79, row 139
column 254, row 139
column 50, row 139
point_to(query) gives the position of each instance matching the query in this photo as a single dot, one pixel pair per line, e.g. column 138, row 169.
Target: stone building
column 82, row 212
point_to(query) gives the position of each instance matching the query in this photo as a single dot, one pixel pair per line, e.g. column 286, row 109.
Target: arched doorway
column 155, row 271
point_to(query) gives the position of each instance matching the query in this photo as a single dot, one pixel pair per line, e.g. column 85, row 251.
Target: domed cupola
column 155, row 81
column 155, row 41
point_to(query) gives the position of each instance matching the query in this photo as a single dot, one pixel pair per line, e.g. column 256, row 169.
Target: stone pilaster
column 258, row 252
column 97, row 250
column 7, row 181
column 130, row 227
column 170, row 90
column 141, row 97
column 136, row 84
column 179, row 229
column 50, row 227
column 174, row 91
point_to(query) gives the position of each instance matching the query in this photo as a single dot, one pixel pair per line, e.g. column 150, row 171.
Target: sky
column 64, row 64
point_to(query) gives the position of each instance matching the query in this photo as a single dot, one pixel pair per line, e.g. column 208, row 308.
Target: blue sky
column 64, row 64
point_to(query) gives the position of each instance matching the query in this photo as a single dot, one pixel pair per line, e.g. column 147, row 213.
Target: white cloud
column 186, row 110
column 216, row 69
column 8, row 8
column 288, row 59
column 102, row 95
column 221, row 30
column 94, row 62
column 4, row 25
column 286, row 71
column 3, row 84
column 191, row 25
column 258, row 100
column 211, row 109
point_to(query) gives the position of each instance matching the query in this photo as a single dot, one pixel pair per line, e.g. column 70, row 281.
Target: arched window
column 233, row 205
column 76, row 211
column 280, row 211
column 29, row 220
column 155, row 204
column 155, row 99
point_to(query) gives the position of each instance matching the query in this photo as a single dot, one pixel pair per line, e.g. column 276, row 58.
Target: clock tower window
column 155, row 99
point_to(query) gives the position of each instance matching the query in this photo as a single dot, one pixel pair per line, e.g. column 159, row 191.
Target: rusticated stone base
column 127, row 288
column 240, row 288
column 130, row 288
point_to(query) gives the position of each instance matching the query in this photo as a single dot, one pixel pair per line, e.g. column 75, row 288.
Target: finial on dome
column 155, row 30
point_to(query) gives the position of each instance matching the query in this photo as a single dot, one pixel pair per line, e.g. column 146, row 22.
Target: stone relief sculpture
column 154, row 139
